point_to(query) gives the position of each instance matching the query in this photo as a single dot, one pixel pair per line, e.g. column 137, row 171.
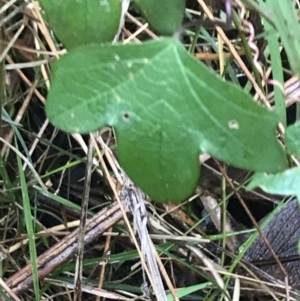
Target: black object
column 283, row 233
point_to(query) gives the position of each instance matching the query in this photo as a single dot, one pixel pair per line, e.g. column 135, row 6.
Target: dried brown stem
column 66, row 248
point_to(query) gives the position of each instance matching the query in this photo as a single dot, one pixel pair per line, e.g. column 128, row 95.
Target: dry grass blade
column 134, row 200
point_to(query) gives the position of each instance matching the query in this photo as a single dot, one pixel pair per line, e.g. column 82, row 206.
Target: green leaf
column 81, row 22
column 284, row 183
column 165, row 17
column 166, row 108
column 293, row 139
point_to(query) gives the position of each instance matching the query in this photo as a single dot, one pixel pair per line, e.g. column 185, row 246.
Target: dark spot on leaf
column 126, row 116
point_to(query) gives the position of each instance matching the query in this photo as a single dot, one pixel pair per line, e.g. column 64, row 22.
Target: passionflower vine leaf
column 165, row 17
column 80, row 22
column 166, row 108
column 283, row 183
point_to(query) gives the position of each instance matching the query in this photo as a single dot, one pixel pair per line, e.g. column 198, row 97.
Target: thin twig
column 82, row 226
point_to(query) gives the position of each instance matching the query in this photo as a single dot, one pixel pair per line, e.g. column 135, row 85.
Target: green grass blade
column 30, row 231
column 286, row 22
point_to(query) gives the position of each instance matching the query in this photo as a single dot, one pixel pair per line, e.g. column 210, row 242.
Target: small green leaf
column 81, row 22
column 293, row 139
column 284, row 183
column 166, row 108
column 165, row 17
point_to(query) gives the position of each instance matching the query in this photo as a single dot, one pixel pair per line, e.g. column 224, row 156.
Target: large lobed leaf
column 166, row 108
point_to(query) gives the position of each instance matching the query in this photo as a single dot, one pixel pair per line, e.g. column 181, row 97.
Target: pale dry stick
column 204, row 157
column 161, row 225
column 80, row 141
column 138, row 23
column 37, row 52
column 36, row 140
column 221, row 54
column 111, row 160
column 26, row 160
column 11, row 15
column 236, row 290
column 7, row 6
column 164, row 273
column 224, row 272
column 242, row 9
column 292, row 90
column 9, row 291
column 11, row 43
column 49, row 231
column 26, row 65
column 130, row 228
column 195, row 239
column 194, row 12
column 19, row 116
column 265, row 284
column 233, row 51
column 59, row 228
column 210, row 265
column 27, row 81
column 174, row 208
column 129, row 34
column 35, row 9
column 90, row 290
column 113, row 187
column 115, row 165
column 82, row 226
column 211, row 205
column 103, row 267
column 125, row 6
column 135, row 34
column 209, row 56
column 134, row 199
column 287, row 291
column 37, row 44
